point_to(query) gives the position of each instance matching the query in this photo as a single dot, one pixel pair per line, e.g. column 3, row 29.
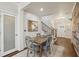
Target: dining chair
column 31, row 46
column 46, row 46
column 52, row 46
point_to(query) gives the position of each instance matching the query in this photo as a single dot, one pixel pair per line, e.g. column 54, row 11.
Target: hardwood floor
column 69, row 49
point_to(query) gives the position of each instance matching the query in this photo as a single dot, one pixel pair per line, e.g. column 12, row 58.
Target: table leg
column 40, row 51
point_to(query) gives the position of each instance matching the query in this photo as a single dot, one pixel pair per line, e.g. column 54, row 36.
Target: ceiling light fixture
column 41, row 9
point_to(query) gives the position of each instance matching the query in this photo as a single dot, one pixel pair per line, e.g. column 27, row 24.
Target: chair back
column 49, row 41
column 28, row 41
column 30, row 46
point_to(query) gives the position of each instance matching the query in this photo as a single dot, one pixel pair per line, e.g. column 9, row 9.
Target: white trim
column 24, row 5
column 4, row 13
column 2, row 34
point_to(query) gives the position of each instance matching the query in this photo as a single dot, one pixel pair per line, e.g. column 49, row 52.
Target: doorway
column 61, row 30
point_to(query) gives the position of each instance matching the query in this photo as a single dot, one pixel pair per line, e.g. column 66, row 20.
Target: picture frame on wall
column 32, row 26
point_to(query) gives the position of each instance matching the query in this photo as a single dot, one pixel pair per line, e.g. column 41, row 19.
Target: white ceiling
column 50, row 8
column 21, row 4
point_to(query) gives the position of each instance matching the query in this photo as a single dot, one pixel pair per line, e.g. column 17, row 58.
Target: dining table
column 39, row 41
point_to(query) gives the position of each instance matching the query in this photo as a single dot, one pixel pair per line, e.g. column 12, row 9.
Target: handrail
column 46, row 25
column 54, row 31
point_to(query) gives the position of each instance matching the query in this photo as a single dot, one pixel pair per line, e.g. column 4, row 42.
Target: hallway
column 69, row 49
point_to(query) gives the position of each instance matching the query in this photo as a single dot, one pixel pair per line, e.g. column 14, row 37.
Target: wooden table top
column 40, row 40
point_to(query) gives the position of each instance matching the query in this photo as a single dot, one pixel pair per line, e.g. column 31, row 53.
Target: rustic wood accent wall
column 75, row 15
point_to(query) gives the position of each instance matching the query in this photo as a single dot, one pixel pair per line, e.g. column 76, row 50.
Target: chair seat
column 35, row 44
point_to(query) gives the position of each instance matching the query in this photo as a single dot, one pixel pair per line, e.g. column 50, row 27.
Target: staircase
column 49, row 31
column 46, row 29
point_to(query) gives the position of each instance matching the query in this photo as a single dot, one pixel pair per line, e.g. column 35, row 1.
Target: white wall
column 0, row 31
column 63, row 26
column 20, row 43
column 30, row 16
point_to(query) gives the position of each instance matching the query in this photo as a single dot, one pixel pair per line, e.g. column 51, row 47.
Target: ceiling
column 50, row 8
column 21, row 4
